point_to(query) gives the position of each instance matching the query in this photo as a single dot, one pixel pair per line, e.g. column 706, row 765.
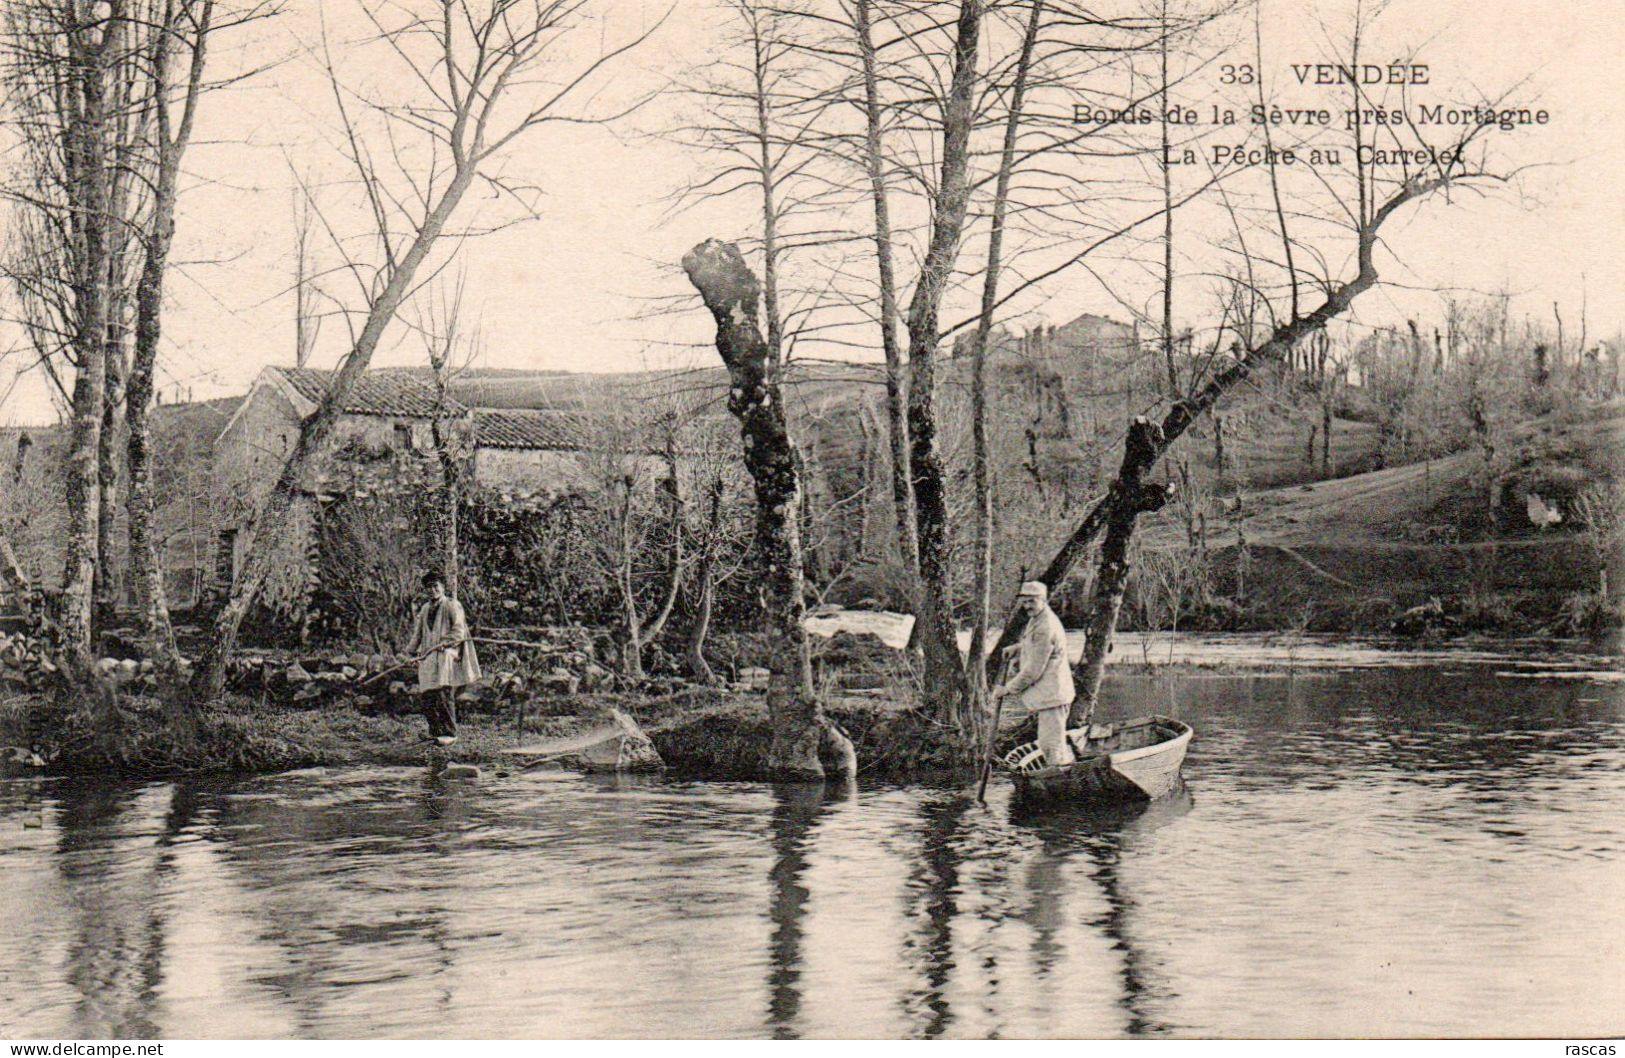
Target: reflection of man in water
column 1043, row 680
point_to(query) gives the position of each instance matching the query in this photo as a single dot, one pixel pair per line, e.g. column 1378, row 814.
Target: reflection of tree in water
column 934, row 888
column 1102, row 835
column 115, row 958
column 796, row 811
column 299, row 861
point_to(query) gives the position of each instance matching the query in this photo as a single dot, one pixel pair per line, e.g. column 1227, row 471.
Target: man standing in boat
column 446, row 659
column 1042, row 680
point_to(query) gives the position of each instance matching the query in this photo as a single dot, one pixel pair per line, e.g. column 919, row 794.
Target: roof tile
column 546, row 429
column 378, row 392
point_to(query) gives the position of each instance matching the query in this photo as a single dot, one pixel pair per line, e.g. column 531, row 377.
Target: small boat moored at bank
column 1135, row 759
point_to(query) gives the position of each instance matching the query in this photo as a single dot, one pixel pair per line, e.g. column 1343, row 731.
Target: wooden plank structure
column 1133, row 760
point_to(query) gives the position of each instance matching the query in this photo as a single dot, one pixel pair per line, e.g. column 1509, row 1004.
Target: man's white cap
column 1035, row 588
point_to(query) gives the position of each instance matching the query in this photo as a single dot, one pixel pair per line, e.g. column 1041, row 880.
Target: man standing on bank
column 1043, row 678
column 446, row 659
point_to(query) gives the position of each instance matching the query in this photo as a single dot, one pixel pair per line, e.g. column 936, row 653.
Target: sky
column 573, row 289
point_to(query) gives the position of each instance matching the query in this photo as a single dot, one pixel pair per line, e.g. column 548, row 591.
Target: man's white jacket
column 1044, row 679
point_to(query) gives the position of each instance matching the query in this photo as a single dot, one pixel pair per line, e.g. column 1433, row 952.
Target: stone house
column 386, row 433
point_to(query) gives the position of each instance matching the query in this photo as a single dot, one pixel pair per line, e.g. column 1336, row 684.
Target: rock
column 617, row 743
column 595, row 676
column 16, row 761
column 754, row 678
column 297, row 673
column 466, row 772
column 558, row 681
column 1420, row 620
column 128, row 668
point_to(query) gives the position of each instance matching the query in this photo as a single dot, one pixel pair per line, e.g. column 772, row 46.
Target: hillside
column 1353, row 551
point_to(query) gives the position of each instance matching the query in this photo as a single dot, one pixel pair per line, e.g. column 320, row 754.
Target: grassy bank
column 704, row 735
column 138, row 737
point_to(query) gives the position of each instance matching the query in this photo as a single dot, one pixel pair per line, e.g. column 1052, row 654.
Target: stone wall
column 530, row 470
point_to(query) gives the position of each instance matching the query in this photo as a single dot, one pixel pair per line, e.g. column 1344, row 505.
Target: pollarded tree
column 801, row 733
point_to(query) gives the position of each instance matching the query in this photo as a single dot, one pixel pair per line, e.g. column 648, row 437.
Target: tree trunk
column 1326, row 438
column 209, row 680
column 140, row 503
column 106, row 593
column 1166, row 165
column 896, row 387
column 449, row 509
column 698, row 668
column 984, row 327
column 674, row 577
column 87, row 148
column 631, row 626
column 145, row 565
column 946, row 687
column 1140, row 454
column 732, row 295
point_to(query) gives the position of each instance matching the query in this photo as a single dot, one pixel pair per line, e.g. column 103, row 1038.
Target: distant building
column 386, row 435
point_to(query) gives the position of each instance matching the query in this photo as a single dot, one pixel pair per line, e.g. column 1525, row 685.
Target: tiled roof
column 555, row 430
column 382, row 392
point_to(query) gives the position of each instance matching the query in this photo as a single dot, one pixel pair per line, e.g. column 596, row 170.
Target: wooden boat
column 1132, row 760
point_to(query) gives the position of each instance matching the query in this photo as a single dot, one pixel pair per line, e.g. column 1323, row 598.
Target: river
column 1360, row 850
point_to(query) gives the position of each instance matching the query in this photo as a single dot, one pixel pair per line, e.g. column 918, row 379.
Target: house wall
column 250, row 453
column 529, row 470
column 553, row 472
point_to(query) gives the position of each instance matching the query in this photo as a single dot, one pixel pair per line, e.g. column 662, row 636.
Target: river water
column 1430, row 849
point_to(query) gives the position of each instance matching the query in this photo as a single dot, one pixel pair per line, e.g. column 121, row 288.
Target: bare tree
column 636, row 509
column 473, row 80
column 450, row 351
column 733, row 295
column 1380, row 189
column 875, row 165
column 67, row 69
column 720, row 529
column 946, row 687
column 982, row 592
column 179, row 39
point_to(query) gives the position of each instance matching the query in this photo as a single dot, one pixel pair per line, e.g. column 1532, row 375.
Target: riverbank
column 702, row 733
column 699, row 732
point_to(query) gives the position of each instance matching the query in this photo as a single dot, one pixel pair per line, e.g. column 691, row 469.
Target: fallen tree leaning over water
column 1130, row 495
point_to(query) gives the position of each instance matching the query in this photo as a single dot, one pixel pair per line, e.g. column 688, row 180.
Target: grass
column 707, row 734
column 139, row 737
